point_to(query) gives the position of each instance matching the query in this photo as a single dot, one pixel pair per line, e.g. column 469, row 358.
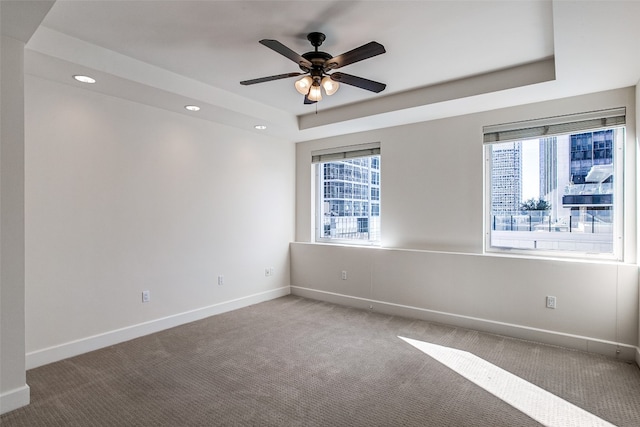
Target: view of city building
column 574, row 175
column 554, row 173
column 548, row 165
column 350, row 207
column 506, row 177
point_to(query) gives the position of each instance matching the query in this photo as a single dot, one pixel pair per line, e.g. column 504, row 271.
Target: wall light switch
column 146, row 296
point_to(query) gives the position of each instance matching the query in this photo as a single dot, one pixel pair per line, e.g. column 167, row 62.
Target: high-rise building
column 554, row 172
column 506, row 177
column 589, row 149
column 351, row 198
column 591, row 170
column 548, row 166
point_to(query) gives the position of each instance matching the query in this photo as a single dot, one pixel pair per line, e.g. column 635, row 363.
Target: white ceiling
column 443, row 57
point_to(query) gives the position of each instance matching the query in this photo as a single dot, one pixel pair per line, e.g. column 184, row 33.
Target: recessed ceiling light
column 260, row 127
column 192, row 107
column 84, row 79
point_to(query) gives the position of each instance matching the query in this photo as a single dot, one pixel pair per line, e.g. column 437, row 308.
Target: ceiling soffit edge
column 510, row 78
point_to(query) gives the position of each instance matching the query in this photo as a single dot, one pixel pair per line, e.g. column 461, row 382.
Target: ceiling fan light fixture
column 303, row 85
column 330, row 86
column 316, row 65
column 315, row 94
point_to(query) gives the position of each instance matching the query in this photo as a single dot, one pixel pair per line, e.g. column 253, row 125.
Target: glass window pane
column 555, row 193
column 345, row 209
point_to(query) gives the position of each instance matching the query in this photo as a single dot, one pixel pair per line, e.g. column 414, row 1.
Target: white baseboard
column 14, row 399
column 75, row 348
column 588, row 344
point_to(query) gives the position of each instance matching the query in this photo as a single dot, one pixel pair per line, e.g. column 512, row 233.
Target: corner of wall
column 637, row 229
column 13, row 389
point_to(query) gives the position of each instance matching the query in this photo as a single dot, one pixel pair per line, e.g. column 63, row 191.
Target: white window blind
column 341, row 153
column 538, row 128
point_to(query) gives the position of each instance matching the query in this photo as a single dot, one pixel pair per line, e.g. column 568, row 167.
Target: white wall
column 13, row 389
column 637, row 141
column 432, row 229
column 18, row 21
column 122, row 197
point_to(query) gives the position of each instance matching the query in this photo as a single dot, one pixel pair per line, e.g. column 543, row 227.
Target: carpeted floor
column 299, row 362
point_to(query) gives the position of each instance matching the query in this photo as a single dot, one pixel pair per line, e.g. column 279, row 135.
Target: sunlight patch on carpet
column 537, row 403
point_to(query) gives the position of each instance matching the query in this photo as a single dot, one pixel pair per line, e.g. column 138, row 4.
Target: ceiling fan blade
column 285, row 51
column 268, row 79
column 366, row 51
column 360, row 82
column 308, row 101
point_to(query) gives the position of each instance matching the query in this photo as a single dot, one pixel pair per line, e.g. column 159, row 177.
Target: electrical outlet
column 221, row 280
column 551, row 301
column 344, row 275
column 271, row 271
column 146, row 296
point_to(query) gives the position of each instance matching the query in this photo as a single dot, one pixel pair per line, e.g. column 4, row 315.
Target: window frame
column 619, row 160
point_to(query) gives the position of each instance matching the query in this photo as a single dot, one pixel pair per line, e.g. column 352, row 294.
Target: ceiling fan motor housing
column 317, row 59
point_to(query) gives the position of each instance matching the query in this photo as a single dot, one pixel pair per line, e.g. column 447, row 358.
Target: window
column 555, row 185
column 348, row 194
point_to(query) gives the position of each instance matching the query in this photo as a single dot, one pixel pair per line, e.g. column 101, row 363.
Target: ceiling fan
column 316, row 66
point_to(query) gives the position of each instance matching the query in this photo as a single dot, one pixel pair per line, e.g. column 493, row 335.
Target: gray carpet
column 299, row 362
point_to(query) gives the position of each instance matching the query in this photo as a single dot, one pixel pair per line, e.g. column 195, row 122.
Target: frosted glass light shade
column 315, row 94
column 329, row 85
column 303, row 85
